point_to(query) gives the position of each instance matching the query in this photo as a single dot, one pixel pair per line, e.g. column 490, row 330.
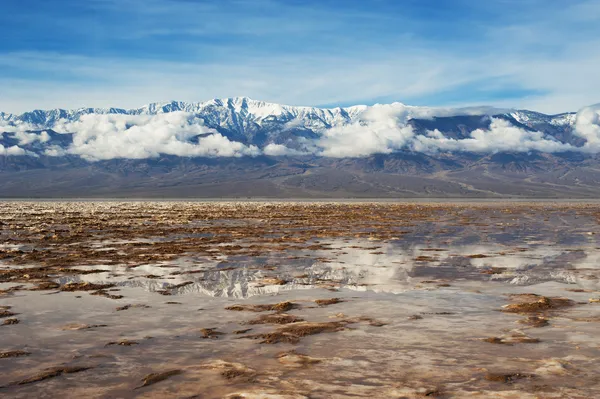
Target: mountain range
column 238, row 147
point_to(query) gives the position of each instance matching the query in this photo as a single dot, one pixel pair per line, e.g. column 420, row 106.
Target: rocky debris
column 18, row 353
column 276, row 318
column 507, row 378
column 327, row 302
column 292, row 333
column 47, row 374
column 211, row 333
column 277, row 307
column 154, row 378
column 532, row 303
column 123, row 342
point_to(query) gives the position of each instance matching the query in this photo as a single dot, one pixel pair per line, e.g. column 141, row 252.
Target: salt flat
column 299, row 299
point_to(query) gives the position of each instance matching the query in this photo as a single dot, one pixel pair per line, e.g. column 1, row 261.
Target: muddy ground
column 299, row 300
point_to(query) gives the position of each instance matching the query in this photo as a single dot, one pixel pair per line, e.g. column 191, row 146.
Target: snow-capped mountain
column 238, row 146
column 273, row 129
column 240, row 114
column 236, row 113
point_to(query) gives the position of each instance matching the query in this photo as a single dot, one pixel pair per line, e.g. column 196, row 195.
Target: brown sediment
column 494, row 270
column 291, row 333
column 47, row 374
column 297, row 359
column 508, row 377
column 415, row 317
column 594, row 300
column 125, row 307
column 277, row 307
column 211, row 333
column 372, row 322
column 532, row 303
column 172, row 303
column 238, row 332
column 424, row 258
column 272, row 281
column 512, row 339
column 78, row 327
column 4, row 355
column 577, row 290
column 84, row 286
column 477, row 256
column 154, row 378
column 232, row 371
column 6, row 313
column 535, row 321
column 276, row 318
column 106, row 294
column 9, row 291
column 10, row 322
column 327, row 302
column 123, row 342
column 45, row 285
column 430, row 393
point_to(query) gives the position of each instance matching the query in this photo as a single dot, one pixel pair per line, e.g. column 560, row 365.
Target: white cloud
column 13, row 150
column 8, row 126
column 28, row 138
column 276, row 150
column 501, row 137
column 587, row 125
column 98, row 137
column 383, row 129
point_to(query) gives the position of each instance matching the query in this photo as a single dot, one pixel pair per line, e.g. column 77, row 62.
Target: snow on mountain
column 241, row 126
column 531, row 118
column 227, row 113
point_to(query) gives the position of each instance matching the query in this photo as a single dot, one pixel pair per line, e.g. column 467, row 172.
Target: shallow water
column 421, row 295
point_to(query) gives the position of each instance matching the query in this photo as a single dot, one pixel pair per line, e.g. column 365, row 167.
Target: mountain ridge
column 239, row 147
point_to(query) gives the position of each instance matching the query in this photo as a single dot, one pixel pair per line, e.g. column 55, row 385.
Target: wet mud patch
column 277, row 307
column 79, row 327
column 292, row 333
column 84, row 286
column 155, row 378
column 52, row 372
column 6, row 313
column 533, row 303
column 211, row 333
column 327, row 302
column 276, row 318
column 129, row 306
column 123, row 342
column 235, row 372
column 507, row 378
column 9, row 354
column 297, row 359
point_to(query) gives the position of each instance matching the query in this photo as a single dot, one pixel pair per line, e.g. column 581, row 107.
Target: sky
column 533, row 54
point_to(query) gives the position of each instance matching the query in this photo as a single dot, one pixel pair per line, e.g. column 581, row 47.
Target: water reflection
column 361, row 265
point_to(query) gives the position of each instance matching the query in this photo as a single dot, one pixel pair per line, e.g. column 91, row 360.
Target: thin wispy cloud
column 528, row 54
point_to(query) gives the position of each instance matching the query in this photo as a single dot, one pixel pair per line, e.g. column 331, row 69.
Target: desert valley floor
column 296, row 300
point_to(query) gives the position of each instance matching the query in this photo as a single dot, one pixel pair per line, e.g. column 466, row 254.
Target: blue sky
column 536, row 54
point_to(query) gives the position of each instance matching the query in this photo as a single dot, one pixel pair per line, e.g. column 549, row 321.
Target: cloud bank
column 379, row 129
column 13, row 150
column 587, row 125
column 100, row 137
